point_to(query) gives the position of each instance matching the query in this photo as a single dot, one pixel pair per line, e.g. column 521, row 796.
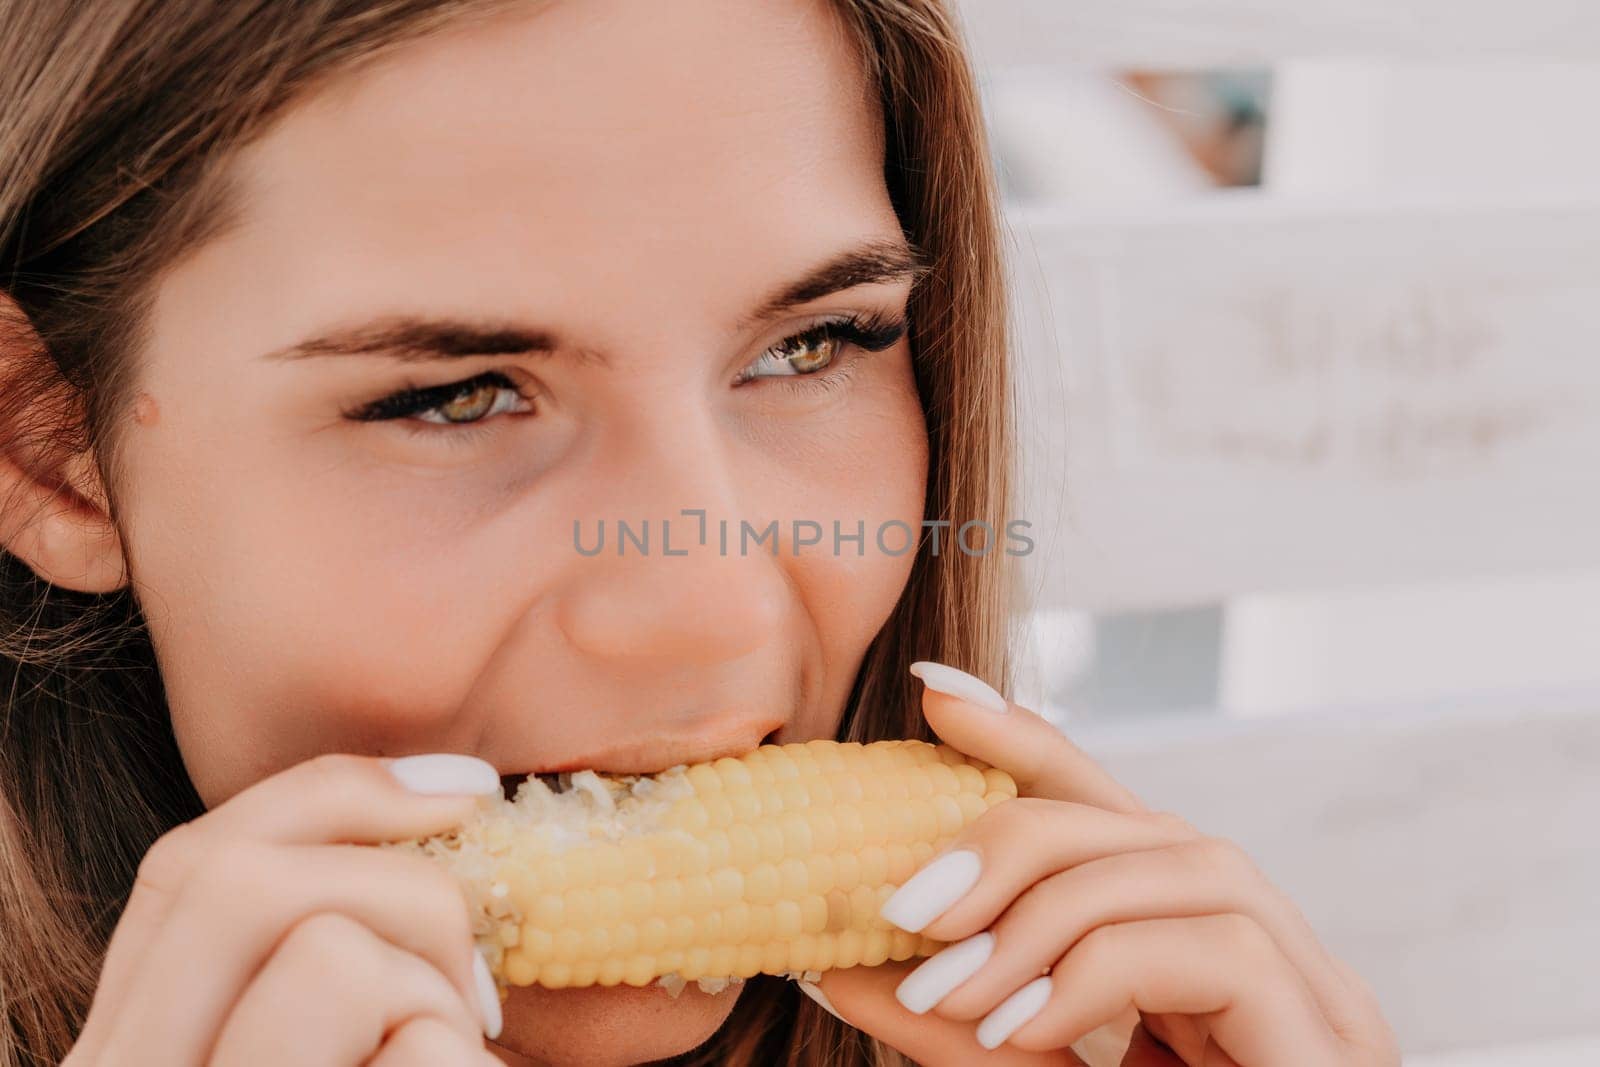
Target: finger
column 1366, row 1026
column 239, row 903
column 1223, row 968
column 864, row 998
column 961, row 709
column 1007, row 849
column 329, row 798
column 1202, row 876
column 426, row 1042
column 1146, row 1051
column 335, row 798
column 344, row 988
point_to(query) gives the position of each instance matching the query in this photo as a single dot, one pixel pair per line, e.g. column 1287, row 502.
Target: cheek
column 870, row 477
column 289, row 622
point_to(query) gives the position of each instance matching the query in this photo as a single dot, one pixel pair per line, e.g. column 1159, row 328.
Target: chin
column 610, row 1027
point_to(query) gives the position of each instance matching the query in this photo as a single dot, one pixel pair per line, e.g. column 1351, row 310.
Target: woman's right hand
column 264, row 932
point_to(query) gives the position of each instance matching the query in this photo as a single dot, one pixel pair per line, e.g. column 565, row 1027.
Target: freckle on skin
column 145, row 410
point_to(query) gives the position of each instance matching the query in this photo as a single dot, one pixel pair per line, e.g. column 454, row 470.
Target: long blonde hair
column 113, row 118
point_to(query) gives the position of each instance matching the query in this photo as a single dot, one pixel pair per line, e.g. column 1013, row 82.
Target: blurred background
column 1307, row 305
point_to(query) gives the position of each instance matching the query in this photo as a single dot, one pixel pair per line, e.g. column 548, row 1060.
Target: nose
column 672, row 588
column 702, row 607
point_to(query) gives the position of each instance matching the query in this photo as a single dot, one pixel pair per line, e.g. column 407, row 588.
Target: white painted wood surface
column 1185, row 34
column 1288, row 653
column 1245, row 395
column 1448, row 852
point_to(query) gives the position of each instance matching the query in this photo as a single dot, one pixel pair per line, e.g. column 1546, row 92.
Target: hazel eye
column 461, row 403
column 797, row 355
column 815, row 350
column 468, row 406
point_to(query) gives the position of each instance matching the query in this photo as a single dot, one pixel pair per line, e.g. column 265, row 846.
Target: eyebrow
column 411, row 339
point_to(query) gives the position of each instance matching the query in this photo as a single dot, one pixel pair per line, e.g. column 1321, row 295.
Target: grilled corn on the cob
column 772, row 863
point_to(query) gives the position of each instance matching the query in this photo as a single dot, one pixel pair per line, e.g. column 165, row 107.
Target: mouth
column 561, row 781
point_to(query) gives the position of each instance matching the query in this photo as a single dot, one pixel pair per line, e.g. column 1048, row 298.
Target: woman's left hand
column 1120, row 909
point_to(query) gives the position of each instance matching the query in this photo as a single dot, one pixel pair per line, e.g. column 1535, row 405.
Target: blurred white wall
column 1505, row 131
column 1502, row 638
column 1355, row 417
column 1072, row 136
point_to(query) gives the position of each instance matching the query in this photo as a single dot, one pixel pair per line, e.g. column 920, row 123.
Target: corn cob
column 772, row 863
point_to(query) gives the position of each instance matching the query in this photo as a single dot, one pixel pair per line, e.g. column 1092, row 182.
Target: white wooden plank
column 1289, row 653
column 1184, row 34
column 1446, row 852
column 1240, row 395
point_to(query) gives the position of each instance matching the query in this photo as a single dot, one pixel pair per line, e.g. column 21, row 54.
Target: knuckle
column 423, row 1040
column 233, row 870
column 167, row 860
column 337, row 781
column 996, row 824
column 1358, row 985
column 326, row 943
column 448, row 931
column 331, row 771
column 445, row 899
column 1242, row 936
column 1096, row 947
column 1172, row 823
column 422, row 874
column 1219, row 855
column 1020, row 817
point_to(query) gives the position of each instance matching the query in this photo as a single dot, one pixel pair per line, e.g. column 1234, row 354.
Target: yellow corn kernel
column 999, row 781
column 724, row 961
column 901, row 865
column 819, row 873
column 971, row 779
column 813, row 914
column 641, row 970
column 824, row 953
column 775, row 862
column 874, row 866
column 523, row 971
column 697, row 894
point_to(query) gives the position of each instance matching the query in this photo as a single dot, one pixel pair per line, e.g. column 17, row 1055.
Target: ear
column 54, row 513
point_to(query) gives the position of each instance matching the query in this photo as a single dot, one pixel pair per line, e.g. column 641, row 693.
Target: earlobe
column 54, row 512
column 60, row 526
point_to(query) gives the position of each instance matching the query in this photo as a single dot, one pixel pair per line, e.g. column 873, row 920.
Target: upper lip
column 649, row 753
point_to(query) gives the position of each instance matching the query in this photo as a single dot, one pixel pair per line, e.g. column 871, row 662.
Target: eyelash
column 858, row 333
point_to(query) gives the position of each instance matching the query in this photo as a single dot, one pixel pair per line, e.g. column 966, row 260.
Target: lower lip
column 611, row 998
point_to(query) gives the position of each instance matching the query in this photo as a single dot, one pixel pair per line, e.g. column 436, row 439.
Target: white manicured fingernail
column 927, row 894
column 932, row 981
column 445, row 772
column 959, row 684
column 815, row 993
column 488, row 996
column 1012, row 1012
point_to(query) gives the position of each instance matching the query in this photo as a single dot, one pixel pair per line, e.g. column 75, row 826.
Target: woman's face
column 587, row 210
